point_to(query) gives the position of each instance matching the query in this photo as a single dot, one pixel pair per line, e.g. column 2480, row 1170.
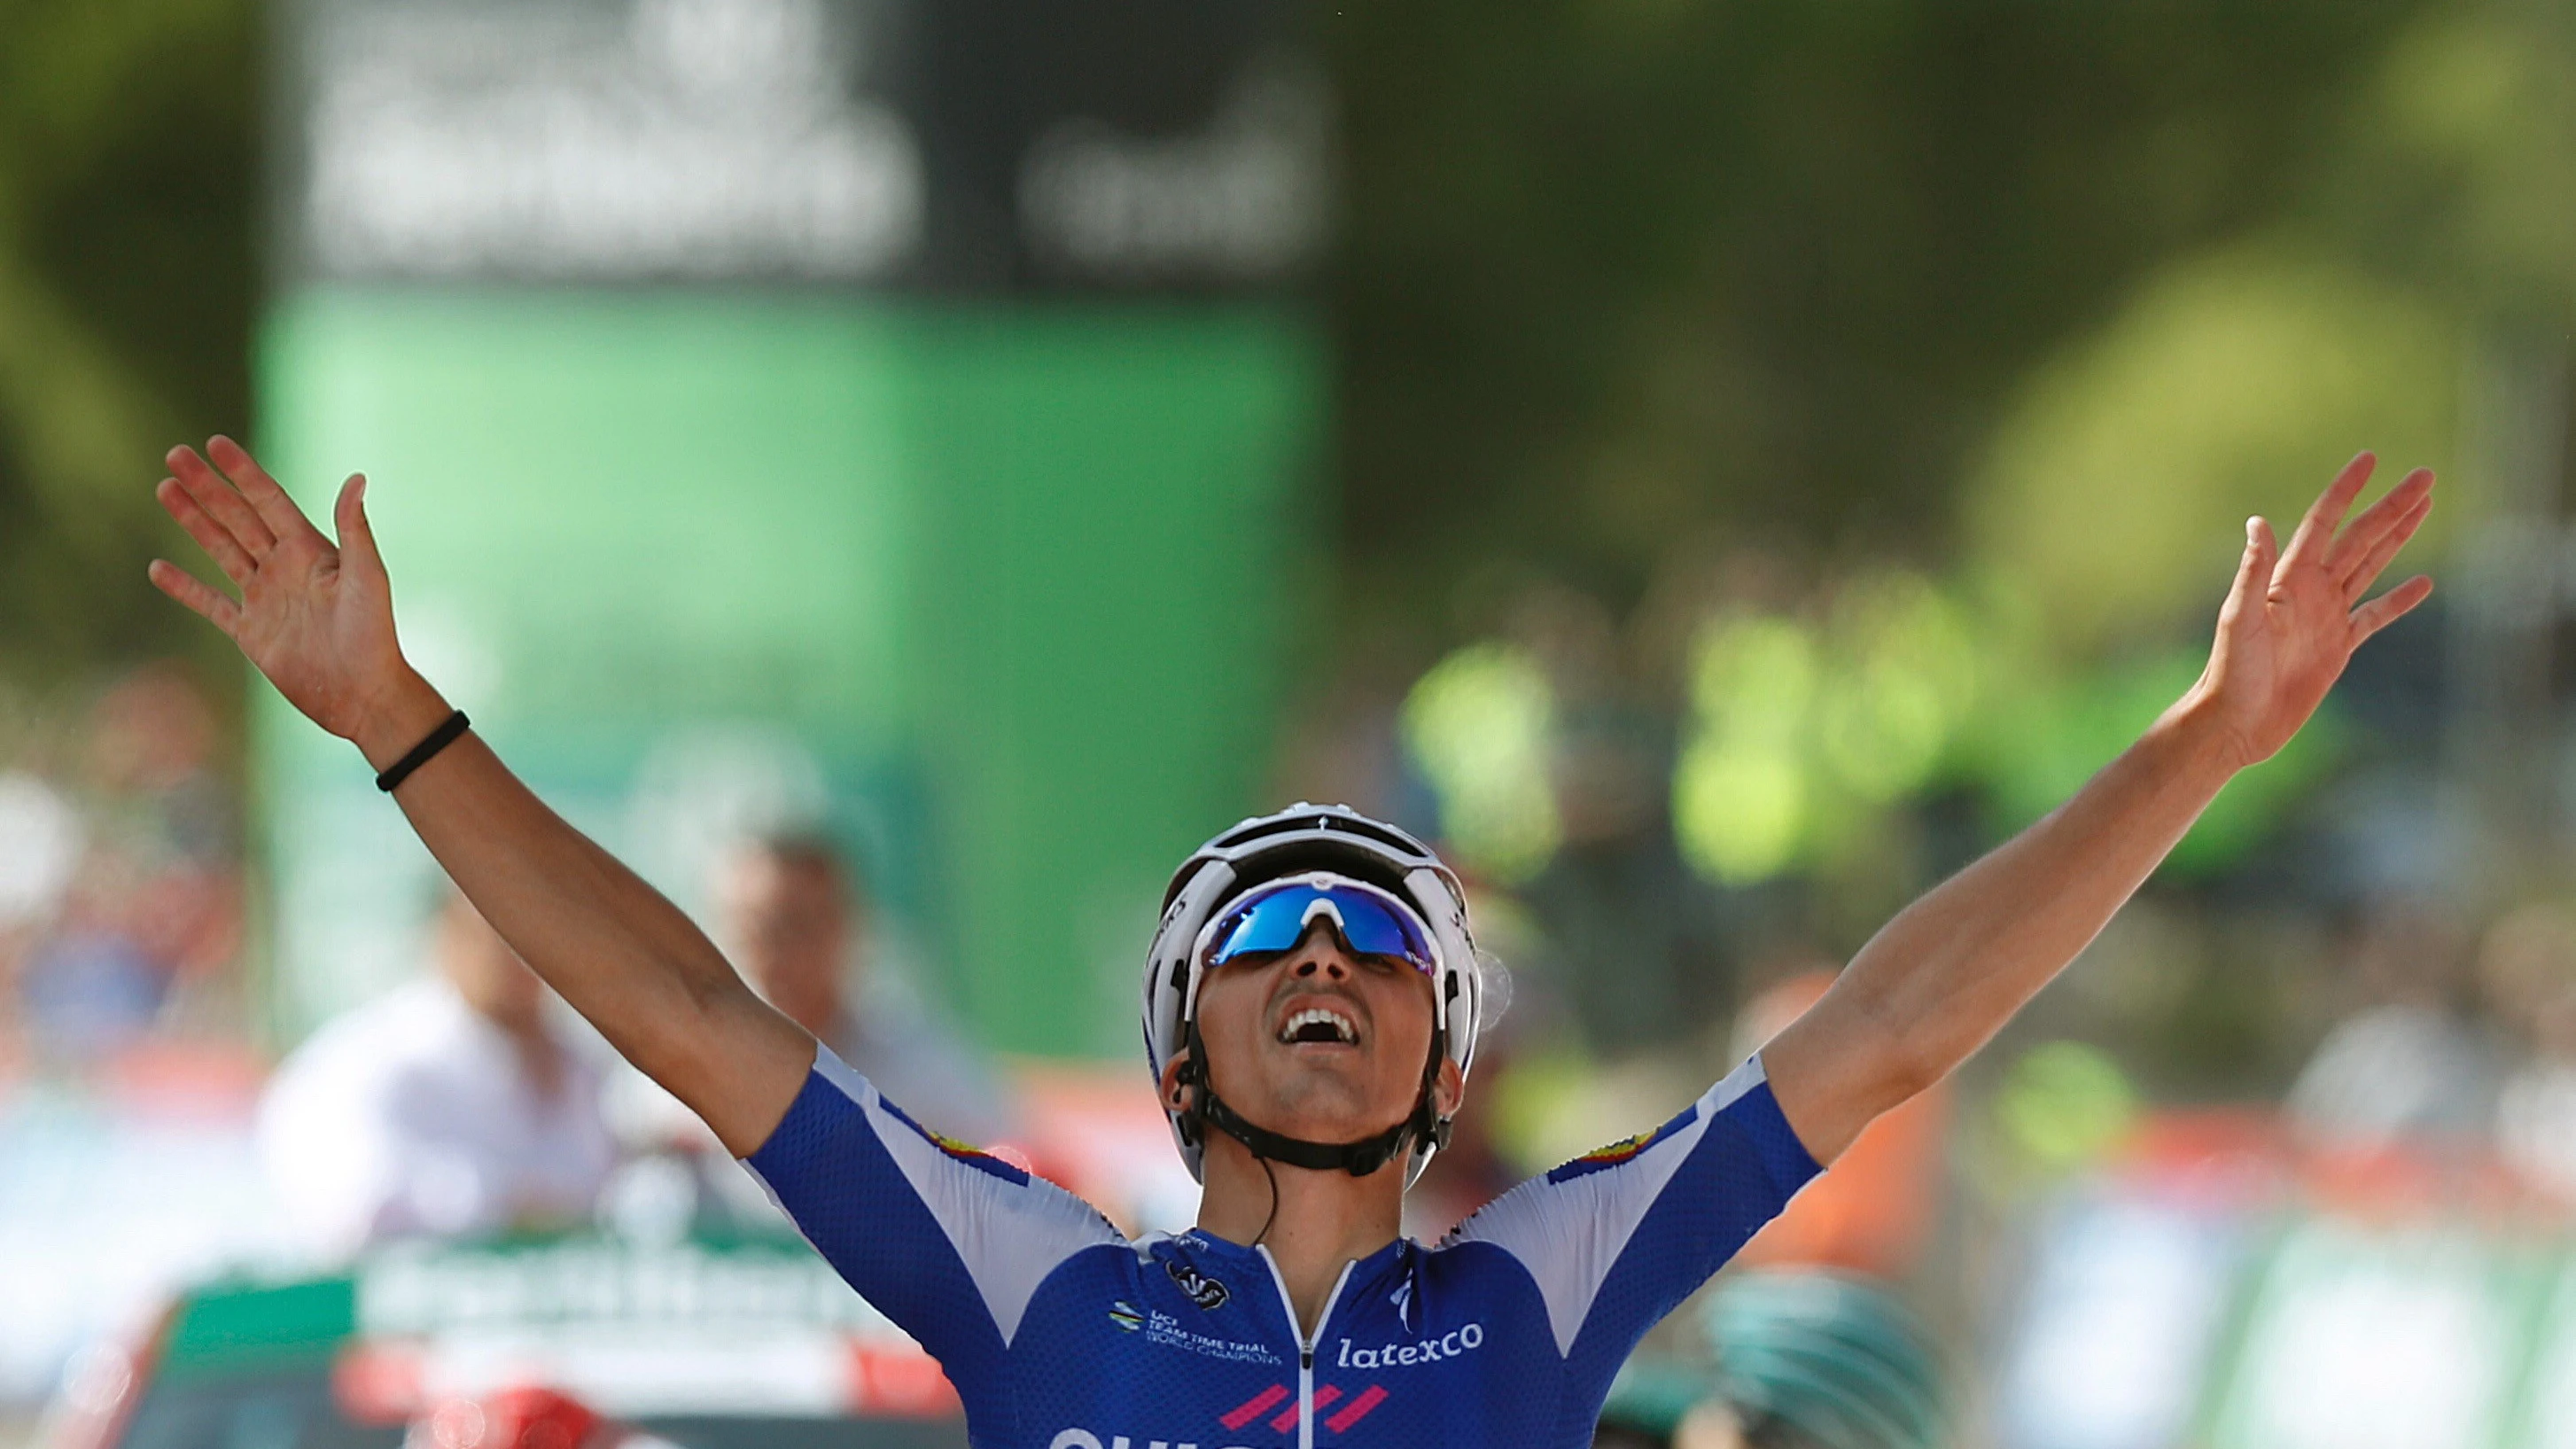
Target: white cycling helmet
column 1301, row 840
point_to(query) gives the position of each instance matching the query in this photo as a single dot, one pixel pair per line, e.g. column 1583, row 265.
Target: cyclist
column 1310, row 1012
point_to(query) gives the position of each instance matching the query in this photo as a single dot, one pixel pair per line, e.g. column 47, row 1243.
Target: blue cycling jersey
column 1060, row 1333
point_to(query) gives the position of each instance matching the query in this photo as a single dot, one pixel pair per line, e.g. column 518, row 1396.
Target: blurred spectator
column 1788, row 1360
column 2408, row 1066
column 167, row 838
column 2528, row 965
column 88, row 991
column 795, row 922
column 120, row 895
column 40, row 842
column 1814, row 1361
column 448, row 1107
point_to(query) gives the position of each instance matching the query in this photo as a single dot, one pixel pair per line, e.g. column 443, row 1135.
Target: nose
column 1320, row 954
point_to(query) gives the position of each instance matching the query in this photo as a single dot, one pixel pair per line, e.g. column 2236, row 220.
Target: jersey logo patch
column 1202, row 1290
column 1621, row 1151
column 979, row 1160
column 1124, row 1314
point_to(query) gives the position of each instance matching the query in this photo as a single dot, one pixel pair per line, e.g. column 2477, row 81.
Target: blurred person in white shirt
column 2410, row 1066
column 450, row 1107
column 2528, row 966
column 796, row 920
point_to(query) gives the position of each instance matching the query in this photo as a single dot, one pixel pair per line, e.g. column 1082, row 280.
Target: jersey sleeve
column 948, row 1242
column 1617, row 1238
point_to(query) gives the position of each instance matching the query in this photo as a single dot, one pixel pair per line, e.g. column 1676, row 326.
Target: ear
column 1448, row 1088
column 1175, row 1096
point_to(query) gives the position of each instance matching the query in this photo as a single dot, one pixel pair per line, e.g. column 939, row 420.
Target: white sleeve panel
column 1010, row 1228
column 1568, row 1227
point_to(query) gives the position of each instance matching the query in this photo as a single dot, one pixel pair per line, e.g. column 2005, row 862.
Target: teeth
column 1341, row 1025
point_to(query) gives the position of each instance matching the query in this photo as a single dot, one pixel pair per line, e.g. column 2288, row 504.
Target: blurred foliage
column 1916, row 280
column 2116, row 489
column 2457, row 172
column 2043, row 736
column 1622, row 275
column 1716, row 314
column 2012, row 308
column 126, row 202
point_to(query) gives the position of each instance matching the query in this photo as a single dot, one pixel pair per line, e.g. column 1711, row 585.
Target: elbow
column 1911, row 1057
column 671, row 1029
column 1914, row 1072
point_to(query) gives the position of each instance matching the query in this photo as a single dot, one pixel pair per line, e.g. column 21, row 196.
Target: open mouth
column 1319, row 1024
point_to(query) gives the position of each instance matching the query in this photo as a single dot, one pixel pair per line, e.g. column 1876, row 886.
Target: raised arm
column 318, row 621
column 1942, row 977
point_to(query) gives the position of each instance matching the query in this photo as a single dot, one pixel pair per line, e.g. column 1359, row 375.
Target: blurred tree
column 1612, row 274
column 1620, row 274
column 2456, row 172
column 2115, row 488
column 127, row 195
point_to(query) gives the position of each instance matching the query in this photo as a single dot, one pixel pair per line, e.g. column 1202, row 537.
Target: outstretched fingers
column 2389, row 607
column 213, row 537
column 221, row 502
column 2378, row 520
column 217, row 608
column 2358, row 572
column 2317, row 530
column 269, row 500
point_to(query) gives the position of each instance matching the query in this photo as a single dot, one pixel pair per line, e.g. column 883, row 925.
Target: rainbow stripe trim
column 1600, row 1158
column 975, row 1158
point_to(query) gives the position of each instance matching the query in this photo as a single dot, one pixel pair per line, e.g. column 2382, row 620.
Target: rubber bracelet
column 439, row 739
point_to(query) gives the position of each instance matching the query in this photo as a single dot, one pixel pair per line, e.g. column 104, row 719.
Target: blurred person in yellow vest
column 796, row 917
column 449, row 1107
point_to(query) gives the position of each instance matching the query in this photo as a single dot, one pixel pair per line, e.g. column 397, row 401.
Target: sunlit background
column 1714, row 467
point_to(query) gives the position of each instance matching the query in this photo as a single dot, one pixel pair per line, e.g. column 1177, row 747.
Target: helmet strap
column 1359, row 1159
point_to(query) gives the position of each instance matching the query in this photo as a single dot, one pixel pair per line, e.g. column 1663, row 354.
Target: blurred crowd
column 2439, row 1054
column 121, row 877
column 2326, row 1022
column 471, row 1102
column 2459, row 1044
column 467, row 1101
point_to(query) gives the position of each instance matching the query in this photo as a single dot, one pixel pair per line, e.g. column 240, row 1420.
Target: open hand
column 2296, row 615
column 316, row 618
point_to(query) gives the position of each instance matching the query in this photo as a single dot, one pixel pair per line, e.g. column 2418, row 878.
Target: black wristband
column 439, row 739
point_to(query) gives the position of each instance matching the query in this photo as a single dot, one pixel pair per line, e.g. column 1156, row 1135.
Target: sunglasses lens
column 1278, row 919
column 1371, row 929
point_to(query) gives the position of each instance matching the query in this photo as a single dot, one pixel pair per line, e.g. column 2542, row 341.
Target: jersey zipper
column 1305, row 1341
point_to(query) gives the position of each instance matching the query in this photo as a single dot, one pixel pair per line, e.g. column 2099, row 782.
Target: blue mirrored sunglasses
column 1275, row 917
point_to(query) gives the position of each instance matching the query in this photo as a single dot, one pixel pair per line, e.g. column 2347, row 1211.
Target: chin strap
column 1359, row 1159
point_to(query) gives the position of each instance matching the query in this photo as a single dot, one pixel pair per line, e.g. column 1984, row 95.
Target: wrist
column 2199, row 737
column 398, row 717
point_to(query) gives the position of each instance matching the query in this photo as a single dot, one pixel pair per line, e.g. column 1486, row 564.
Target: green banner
column 997, row 592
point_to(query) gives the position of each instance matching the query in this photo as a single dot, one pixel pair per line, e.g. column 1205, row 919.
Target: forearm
column 619, row 953
column 1943, row 977
column 1948, row 971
